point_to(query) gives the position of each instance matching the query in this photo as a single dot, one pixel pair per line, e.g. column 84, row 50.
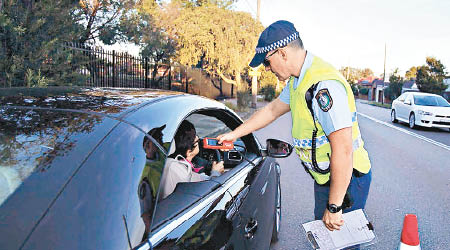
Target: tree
column 226, row 4
column 31, row 33
column 394, row 89
column 411, row 73
column 100, row 19
column 146, row 28
column 353, row 75
column 218, row 40
column 430, row 77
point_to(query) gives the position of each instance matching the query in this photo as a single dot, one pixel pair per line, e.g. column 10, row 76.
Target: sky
column 355, row 32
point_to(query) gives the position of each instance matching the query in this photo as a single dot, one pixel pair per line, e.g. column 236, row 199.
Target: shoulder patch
column 324, row 100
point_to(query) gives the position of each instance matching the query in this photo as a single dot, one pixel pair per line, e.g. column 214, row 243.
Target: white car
column 422, row 109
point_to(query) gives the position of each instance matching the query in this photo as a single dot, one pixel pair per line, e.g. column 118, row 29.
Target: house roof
column 379, row 82
column 366, row 80
column 408, row 84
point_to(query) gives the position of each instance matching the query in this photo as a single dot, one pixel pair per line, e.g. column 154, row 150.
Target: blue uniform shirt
column 338, row 115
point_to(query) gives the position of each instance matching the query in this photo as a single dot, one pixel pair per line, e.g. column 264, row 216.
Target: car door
column 401, row 107
column 252, row 189
column 199, row 215
column 254, row 197
column 408, row 106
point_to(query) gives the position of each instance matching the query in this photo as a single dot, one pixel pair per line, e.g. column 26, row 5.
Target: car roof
column 61, row 109
column 423, row 94
column 110, row 101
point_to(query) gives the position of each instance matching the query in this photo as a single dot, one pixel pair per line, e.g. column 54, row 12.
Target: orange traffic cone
column 410, row 233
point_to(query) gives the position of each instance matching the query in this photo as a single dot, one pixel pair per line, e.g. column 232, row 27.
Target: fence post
column 146, row 72
column 114, row 69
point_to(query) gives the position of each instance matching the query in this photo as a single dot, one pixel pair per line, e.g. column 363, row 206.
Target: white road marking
column 407, row 132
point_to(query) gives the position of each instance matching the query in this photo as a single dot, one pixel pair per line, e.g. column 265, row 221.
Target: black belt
column 356, row 173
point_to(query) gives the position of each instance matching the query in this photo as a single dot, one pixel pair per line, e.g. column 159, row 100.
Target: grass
column 385, row 105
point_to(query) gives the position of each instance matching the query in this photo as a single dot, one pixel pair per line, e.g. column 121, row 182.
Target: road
column 410, row 175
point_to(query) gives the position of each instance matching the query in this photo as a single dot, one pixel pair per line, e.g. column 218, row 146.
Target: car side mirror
column 407, row 102
column 277, row 148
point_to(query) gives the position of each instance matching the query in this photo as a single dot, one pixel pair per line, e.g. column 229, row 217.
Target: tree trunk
column 243, row 97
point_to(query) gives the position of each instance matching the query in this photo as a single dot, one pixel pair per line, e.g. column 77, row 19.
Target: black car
column 80, row 168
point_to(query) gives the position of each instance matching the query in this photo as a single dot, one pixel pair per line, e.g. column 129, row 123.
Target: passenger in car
column 179, row 166
column 151, row 175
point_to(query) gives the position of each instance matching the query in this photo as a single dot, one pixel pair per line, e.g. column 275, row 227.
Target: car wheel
column 393, row 117
column 277, row 214
column 412, row 120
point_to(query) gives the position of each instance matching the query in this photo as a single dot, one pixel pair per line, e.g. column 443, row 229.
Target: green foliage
column 145, row 27
column 364, row 91
column 384, row 105
column 35, row 80
column 217, row 40
column 430, row 77
column 269, row 92
column 101, row 19
column 244, row 99
column 394, row 89
column 31, row 34
column 355, row 89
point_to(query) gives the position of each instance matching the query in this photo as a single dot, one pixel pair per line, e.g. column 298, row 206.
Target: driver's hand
column 218, row 166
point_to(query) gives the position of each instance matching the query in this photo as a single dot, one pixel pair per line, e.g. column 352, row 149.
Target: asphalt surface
column 410, row 175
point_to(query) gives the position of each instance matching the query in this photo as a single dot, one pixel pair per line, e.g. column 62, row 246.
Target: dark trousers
column 359, row 190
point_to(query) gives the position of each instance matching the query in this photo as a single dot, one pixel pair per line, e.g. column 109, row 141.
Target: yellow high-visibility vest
column 303, row 124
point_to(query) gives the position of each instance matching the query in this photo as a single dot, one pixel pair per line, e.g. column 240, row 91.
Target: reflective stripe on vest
column 303, row 124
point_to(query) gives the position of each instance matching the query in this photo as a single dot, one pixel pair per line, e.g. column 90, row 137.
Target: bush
column 364, row 91
column 269, row 92
column 354, row 89
column 243, row 99
column 230, row 105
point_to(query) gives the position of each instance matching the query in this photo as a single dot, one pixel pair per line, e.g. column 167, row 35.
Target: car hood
column 435, row 110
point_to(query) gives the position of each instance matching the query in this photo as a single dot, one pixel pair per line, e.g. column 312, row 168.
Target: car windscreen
column 44, row 142
column 430, row 101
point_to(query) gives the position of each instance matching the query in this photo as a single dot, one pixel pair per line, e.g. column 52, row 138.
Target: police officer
column 325, row 129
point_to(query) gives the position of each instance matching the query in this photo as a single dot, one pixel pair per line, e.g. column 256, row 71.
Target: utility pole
column 384, row 73
column 254, row 71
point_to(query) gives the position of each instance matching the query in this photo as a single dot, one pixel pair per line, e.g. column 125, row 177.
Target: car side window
column 208, row 126
column 409, row 98
column 188, row 159
column 402, row 97
column 184, row 181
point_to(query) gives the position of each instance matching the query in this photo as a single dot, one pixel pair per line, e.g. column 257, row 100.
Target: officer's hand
column 332, row 221
column 226, row 137
column 218, row 166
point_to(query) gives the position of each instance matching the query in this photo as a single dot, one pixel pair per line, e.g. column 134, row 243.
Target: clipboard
column 357, row 231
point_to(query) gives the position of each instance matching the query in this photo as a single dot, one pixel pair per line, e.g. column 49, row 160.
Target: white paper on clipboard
column 355, row 231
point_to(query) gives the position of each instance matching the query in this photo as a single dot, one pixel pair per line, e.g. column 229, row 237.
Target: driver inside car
column 179, row 166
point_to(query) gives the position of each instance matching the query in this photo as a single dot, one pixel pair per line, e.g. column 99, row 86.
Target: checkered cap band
column 277, row 44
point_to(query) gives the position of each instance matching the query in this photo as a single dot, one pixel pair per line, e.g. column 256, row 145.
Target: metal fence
column 103, row 68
